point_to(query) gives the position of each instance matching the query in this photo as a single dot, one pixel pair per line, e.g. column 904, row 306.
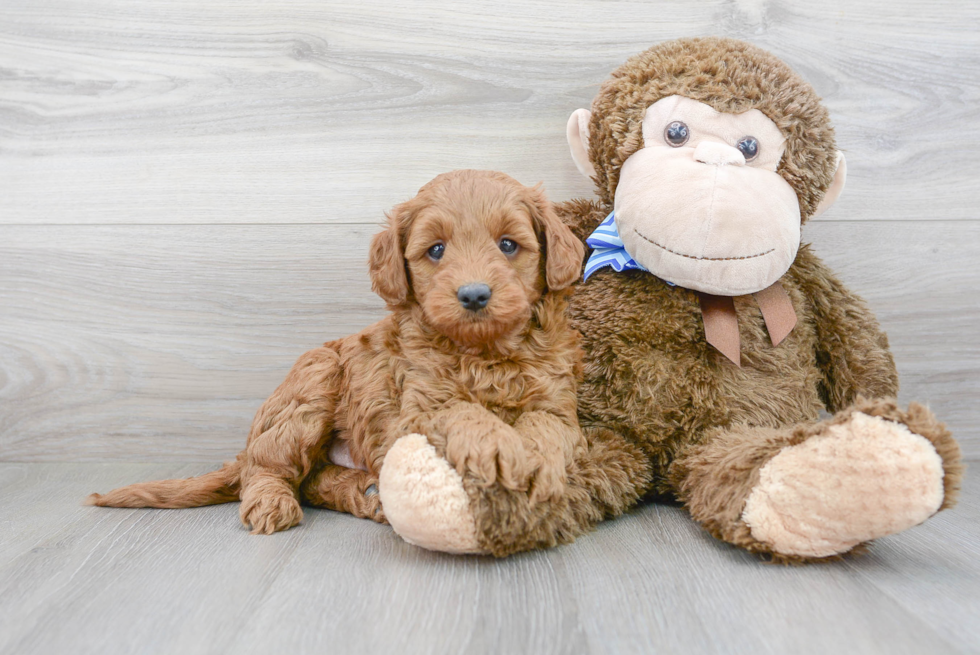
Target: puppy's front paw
column 424, row 500
column 267, row 509
column 495, row 454
column 480, row 446
column 549, row 481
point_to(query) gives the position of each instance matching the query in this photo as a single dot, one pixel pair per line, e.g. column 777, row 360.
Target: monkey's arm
column 581, row 215
column 852, row 349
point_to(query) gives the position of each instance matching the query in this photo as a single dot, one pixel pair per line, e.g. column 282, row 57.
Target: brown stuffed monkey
column 713, row 338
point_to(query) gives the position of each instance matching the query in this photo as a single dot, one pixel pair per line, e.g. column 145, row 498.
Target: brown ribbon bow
column 721, row 322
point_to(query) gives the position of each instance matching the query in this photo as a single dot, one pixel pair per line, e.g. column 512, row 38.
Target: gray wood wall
column 187, row 189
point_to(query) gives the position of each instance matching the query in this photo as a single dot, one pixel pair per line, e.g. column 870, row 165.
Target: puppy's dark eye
column 507, row 246
column 749, row 146
column 677, row 134
column 436, row 251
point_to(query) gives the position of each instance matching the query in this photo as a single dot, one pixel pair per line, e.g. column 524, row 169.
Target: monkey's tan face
column 701, row 204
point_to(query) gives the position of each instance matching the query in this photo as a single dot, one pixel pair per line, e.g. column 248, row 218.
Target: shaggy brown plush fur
column 699, row 427
column 604, row 479
column 714, row 478
column 494, row 390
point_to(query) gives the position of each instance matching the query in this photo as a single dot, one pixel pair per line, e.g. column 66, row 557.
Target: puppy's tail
column 221, row 486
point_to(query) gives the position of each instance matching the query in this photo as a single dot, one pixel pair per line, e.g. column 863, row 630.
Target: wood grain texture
column 124, row 329
column 908, row 571
column 96, row 580
column 158, row 343
column 308, row 111
column 41, row 501
column 187, row 190
column 129, row 582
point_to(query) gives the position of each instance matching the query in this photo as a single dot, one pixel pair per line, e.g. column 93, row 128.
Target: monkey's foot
column 424, row 500
column 859, row 479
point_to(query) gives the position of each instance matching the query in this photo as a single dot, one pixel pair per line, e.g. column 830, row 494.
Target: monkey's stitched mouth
column 704, row 259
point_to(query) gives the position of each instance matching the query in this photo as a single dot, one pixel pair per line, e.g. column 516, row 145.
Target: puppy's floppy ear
column 564, row 253
column 389, row 278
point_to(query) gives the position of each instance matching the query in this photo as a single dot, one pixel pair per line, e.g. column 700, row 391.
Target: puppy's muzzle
column 474, row 297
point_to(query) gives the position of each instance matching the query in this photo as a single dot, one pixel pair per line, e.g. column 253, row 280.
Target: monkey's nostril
column 474, row 296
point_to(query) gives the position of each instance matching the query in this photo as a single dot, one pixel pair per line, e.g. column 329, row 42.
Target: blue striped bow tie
column 608, row 249
column 717, row 312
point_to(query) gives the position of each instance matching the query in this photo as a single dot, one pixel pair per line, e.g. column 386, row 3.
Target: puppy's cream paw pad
column 424, row 500
column 863, row 479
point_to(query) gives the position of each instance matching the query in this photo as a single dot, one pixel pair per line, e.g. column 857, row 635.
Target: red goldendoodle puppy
column 476, row 355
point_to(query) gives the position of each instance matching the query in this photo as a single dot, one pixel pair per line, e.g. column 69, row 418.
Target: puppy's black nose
column 474, row 296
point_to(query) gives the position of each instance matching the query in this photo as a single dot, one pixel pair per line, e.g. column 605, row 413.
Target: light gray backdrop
column 187, row 189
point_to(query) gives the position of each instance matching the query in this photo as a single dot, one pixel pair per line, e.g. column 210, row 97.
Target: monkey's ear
column 387, row 261
column 577, row 133
column 835, row 188
column 563, row 252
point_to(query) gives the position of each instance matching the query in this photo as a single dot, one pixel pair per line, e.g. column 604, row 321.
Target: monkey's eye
column 436, row 251
column 507, row 246
column 676, row 134
column 749, row 146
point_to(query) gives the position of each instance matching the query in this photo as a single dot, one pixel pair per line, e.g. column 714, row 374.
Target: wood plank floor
column 91, row 580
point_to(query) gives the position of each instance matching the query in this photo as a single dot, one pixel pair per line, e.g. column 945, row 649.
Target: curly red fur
column 493, row 390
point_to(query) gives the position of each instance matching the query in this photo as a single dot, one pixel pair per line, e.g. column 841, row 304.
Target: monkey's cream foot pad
column 859, row 480
column 424, row 500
